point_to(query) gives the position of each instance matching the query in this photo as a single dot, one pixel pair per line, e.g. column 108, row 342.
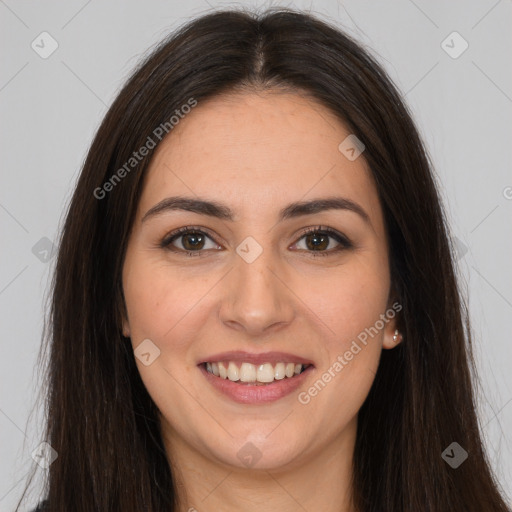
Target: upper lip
column 256, row 359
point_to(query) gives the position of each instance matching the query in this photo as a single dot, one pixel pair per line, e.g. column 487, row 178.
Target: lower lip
column 250, row 394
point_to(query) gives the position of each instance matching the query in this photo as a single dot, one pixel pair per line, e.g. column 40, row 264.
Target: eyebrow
column 221, row 211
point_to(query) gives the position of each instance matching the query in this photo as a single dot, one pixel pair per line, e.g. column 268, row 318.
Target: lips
column 251, row 378
column 273, row 358
column 255, row 393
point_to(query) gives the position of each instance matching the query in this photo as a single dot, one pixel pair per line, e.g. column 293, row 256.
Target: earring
column 395, row 336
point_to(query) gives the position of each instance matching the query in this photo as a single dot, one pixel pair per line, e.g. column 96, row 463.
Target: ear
column 126, row 328
column 122, row 317
column 391, row 338
column 392, row 334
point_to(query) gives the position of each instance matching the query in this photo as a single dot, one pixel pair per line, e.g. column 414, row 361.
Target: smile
column 251, row 391
column 248, row 373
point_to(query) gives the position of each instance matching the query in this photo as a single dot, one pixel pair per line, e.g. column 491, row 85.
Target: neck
column 319, row 480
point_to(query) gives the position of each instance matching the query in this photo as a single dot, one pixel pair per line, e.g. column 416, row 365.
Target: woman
column 254, row 305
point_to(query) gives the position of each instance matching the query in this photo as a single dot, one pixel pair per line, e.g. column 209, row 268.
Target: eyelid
column 325, row 229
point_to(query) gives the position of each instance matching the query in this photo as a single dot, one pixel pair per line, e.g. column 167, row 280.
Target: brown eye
column 319, row 241
column 193, row 240
column 189, row 241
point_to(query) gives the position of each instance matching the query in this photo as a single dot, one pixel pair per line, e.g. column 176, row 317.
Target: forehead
column 258, row 151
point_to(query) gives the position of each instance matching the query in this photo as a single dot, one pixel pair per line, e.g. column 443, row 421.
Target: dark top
column 41, row 507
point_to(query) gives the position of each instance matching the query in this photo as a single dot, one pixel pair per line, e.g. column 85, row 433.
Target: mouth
column 252, row 374
column 255, row 378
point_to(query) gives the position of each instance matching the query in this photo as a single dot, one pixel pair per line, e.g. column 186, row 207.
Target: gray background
column 50, row 108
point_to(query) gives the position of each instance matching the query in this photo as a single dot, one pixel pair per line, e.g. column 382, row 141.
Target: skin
column 257, row 152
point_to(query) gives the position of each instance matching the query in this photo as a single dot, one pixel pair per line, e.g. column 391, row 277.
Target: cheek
column 350, row 302
column 161, row 307
column 157, row 300
column 351, row 355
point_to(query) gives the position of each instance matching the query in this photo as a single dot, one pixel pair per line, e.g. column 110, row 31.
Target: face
column 256, row 284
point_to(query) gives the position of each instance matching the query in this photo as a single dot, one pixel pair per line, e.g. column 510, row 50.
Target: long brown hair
column 100, row 419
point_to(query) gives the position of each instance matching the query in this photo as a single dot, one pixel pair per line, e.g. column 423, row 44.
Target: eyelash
column 341, row 239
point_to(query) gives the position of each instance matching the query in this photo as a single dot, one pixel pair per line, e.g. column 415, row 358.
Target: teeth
column 279, row 371
column 247, row 372
column 233, row 373
column 223, row 372
column 265, row 373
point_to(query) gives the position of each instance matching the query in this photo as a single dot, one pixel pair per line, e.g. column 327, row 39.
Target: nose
column 256, row 299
